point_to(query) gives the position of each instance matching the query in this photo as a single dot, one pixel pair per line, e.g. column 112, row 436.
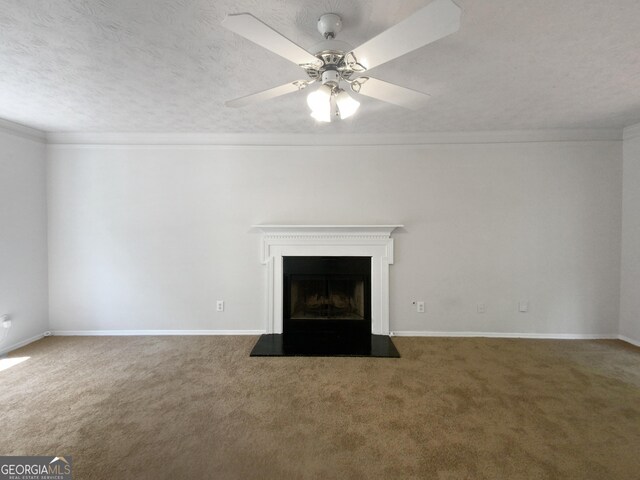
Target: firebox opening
column 327, row 293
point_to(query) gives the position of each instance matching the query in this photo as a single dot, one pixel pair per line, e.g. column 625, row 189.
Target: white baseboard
column 102, row 333
column 630, row 340
column 15, row 346
column 402, row 333
column 549, row 336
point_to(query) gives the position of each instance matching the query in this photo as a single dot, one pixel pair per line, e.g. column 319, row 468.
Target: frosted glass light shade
column 322, row 116
column 347, row 105
column 319, row 102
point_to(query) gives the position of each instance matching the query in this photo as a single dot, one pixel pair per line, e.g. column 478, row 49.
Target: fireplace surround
column 373, row 242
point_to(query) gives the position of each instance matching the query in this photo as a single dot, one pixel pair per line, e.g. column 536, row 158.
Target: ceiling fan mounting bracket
column 329, row 25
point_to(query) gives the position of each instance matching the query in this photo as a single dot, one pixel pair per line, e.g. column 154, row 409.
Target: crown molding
column 13, row 128
column 632, row 131
column 328, row 140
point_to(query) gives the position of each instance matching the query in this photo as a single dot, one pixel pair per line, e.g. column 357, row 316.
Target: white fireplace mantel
column 373, row 241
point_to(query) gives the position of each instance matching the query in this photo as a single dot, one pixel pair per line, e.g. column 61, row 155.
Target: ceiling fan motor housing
column 330, row 52
column 331, row 78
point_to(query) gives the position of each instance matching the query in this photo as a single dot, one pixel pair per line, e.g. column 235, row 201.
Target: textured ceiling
column 168, row 66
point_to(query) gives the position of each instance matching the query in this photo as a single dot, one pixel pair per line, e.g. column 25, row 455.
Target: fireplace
column 327, row 294
column 327, row 290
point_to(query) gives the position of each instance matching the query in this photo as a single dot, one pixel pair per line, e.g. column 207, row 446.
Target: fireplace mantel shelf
column 327, row 230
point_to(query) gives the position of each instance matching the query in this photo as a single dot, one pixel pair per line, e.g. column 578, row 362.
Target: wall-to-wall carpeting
column 200, row 407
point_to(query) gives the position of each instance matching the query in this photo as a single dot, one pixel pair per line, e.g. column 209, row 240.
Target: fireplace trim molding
column 373, row 241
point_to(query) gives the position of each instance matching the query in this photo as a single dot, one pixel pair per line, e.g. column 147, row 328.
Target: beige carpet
column 199, row 407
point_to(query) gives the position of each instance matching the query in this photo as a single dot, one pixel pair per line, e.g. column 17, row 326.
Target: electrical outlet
column 5, row 320
column 420, row 307
column 482, row 308
column 220, row 306
column 523, row 307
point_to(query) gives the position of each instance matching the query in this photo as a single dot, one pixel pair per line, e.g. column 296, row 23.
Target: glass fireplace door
column 327, row 294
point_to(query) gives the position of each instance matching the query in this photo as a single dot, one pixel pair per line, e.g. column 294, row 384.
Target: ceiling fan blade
column 433, row 22
column 390, row 93
column 248, row 26
column 268, row 94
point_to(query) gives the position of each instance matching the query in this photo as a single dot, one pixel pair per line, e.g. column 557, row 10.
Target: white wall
column 149, row 237
column 23, row 237
column 630, row 271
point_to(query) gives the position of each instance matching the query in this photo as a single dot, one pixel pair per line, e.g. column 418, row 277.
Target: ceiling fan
column 334, row 62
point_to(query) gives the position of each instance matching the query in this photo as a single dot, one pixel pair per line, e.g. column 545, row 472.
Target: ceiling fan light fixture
column 319, row 102
column 319, row 98
column 347, row 105
column 324, row 117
